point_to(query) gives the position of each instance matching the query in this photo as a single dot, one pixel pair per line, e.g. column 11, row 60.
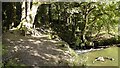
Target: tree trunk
column 86, row 13
column 119, row 30
column 119, row 27
column 28, row 15
column 49, row 13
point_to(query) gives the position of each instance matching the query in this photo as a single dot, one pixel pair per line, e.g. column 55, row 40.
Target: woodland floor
column 41, row 51
column 33, row 51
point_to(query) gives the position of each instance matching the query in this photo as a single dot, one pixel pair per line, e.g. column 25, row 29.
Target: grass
column 109, row 52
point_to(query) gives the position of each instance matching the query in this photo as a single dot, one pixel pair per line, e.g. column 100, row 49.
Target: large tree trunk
column 28, row 15
column 86, row 13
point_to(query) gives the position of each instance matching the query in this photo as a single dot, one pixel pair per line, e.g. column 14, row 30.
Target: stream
column 88, row 50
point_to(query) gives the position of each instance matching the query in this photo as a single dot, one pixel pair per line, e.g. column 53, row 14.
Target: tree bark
column 28, row 15
column 119, row 27
column 49, row 12
column 85, row 30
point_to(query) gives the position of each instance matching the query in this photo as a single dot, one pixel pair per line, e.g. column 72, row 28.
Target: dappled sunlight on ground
column 37, row 42
column 41, row 36
column 53, row 41
column 35, row 51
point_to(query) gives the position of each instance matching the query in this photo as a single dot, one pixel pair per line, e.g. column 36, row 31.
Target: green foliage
column 72, row 21
column 78, row 41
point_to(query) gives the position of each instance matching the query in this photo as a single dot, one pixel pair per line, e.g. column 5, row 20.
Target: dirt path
column 34, row 51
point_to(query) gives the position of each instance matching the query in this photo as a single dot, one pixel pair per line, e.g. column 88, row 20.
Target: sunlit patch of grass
column 109, row 52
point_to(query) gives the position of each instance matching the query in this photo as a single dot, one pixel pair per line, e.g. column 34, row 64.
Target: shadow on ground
column 34, row 51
